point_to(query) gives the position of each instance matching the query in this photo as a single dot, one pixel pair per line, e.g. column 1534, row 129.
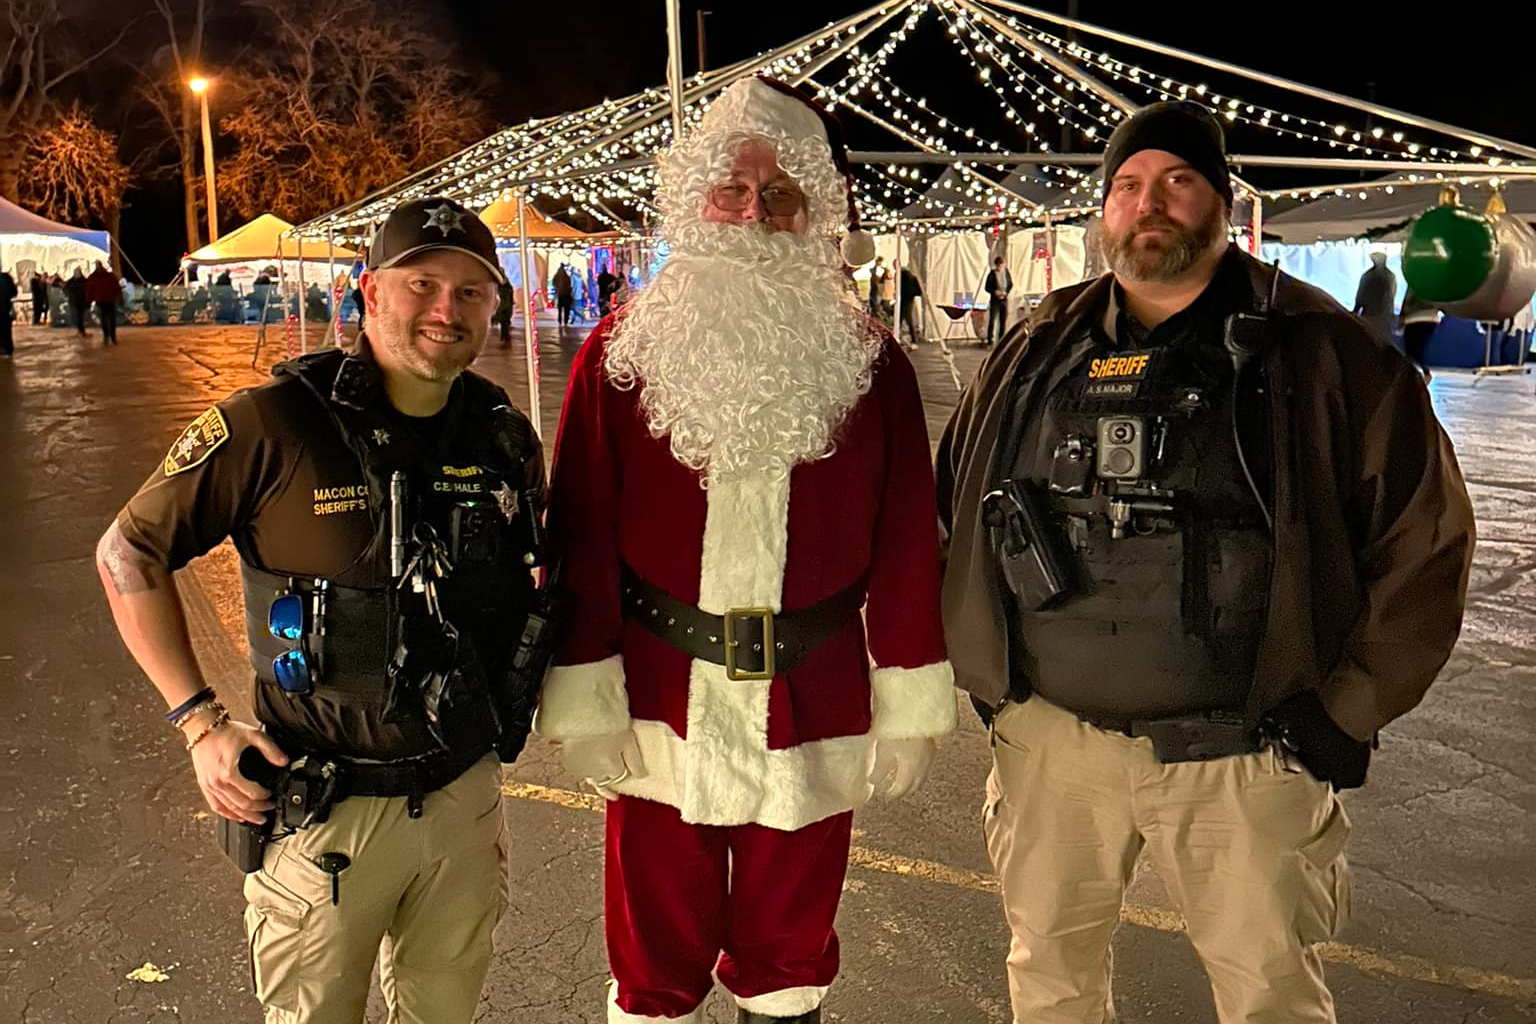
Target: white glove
column 603, row 761
column 901, row 766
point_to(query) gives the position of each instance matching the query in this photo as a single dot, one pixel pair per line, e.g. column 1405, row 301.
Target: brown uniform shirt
column 268, row 468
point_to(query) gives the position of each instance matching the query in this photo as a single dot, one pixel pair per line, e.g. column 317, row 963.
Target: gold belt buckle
column 735, row 615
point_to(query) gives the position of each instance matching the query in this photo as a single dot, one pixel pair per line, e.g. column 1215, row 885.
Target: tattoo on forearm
column 125, row 567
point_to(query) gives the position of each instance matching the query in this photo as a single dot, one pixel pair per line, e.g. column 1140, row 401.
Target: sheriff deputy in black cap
column 1206, row 539
column 384, row 504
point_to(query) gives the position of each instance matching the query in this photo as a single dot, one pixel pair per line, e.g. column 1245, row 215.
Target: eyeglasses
column 289, row 619
column 777, row 200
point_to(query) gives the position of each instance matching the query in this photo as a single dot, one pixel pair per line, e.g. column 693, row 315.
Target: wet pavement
column 107, row 860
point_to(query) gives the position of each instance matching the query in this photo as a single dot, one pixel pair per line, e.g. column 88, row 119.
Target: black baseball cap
column 433, row 223
column 1182, row 127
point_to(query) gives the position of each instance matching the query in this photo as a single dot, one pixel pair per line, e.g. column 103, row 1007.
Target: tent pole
column 1257, row 226
column 303, row 320
column 530, row 328
column 330, row 270
column 897, row 264
column 675, row 69
column 1050, row 253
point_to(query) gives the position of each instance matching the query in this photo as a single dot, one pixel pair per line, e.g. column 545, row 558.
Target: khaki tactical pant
column 1251, row 849
column 429, row 889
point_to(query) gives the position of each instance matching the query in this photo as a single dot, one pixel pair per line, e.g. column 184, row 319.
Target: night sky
column 543, row 59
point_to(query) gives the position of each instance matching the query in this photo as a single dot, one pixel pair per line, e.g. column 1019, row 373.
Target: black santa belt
column 752, row 643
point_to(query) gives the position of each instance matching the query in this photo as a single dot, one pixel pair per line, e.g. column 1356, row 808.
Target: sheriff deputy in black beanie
column 1186, row 609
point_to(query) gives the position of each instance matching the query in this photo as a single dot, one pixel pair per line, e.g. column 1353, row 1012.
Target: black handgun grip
column 255, row 766
column 1040, row 575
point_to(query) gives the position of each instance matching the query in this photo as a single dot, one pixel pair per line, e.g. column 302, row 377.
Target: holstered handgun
column 1033, row 555
column 527, row 666
column 241, row 841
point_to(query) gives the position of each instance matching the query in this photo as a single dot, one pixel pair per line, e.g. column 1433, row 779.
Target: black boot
column 809, row 1017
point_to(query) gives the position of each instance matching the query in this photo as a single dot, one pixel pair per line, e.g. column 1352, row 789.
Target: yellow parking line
column 1371, row 961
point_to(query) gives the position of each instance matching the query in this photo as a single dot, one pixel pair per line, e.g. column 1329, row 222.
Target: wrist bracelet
column 212, row 707
column 223, row 717
column 180, row 710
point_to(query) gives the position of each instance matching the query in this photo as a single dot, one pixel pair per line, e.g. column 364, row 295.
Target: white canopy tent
column 599, row 160
column 29, row 244
column 265, row 243
column 1382, row 208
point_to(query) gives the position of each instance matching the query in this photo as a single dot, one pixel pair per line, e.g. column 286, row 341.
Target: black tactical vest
column 463, row 486
column 1165, row 543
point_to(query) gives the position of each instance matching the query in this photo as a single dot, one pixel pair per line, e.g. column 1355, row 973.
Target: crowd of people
column 71, row 300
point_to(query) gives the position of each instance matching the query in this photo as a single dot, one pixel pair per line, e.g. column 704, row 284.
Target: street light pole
column 199, row 86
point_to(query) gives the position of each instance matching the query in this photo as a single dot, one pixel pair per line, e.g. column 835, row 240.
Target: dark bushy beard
column 746, row 353
column 1164, row 258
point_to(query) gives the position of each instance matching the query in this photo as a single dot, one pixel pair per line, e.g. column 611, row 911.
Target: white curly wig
column 747, row 354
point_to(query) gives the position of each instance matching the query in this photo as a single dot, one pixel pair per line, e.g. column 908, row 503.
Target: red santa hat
column 785, row 113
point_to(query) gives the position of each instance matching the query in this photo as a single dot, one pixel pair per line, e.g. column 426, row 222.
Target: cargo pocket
column 274, row 931
column 1325, row 905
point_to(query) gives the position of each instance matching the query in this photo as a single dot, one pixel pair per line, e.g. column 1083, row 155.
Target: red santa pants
column 753, row 904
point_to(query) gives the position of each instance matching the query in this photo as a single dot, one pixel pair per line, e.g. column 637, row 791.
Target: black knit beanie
column 1187, row 130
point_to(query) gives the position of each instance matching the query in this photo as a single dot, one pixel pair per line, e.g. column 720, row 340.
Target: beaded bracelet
column 223, row 717
column 212, row 707
column 181, row 710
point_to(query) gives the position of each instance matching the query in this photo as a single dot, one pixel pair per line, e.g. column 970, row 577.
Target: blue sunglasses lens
column 292, row 671
column 286, row 618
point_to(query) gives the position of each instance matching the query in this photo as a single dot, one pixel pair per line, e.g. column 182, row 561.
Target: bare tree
column 40, row 48
column 73, row 173
column 164, row 87
column 341, row 103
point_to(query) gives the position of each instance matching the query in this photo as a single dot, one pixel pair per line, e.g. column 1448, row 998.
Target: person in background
column 997, row 286
column 909, row 290
column 7, row 313
column 75, row 292
column 1375, row 296
column 1418, row 319
column 506, row 299
column 878, row 274
column 104, row 292
column 39, row 287
column 564, row 295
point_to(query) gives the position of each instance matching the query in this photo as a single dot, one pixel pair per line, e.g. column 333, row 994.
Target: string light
column 847, row 66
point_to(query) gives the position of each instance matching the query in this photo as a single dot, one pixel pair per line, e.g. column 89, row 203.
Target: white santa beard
column 746, row 353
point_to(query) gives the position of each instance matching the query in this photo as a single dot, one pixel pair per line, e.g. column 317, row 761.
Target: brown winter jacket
column 1373, row 526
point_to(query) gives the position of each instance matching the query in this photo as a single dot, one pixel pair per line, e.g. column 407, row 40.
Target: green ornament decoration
column 1480, row 266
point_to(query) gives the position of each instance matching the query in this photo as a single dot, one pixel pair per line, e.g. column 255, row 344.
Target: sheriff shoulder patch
column 197, row 442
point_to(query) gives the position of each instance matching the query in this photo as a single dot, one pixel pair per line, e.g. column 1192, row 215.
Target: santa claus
column 742, row 466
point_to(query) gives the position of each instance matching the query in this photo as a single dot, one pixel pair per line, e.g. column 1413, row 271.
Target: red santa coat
column 781, row 753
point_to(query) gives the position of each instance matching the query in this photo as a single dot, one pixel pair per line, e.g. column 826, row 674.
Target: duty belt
column 314, row 783
column 752, row 643
column 1197, row 737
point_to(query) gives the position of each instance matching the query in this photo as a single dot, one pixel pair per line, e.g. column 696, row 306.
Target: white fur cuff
column 786, row 1002
column 618, row 1016
column 583, row 700
column 913, row 703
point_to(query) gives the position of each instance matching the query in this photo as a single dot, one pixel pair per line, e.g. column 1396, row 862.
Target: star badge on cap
column 445, row 218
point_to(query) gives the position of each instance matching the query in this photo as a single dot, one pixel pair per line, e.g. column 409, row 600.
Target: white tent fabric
column 957, row 266
column 255, row 246
column 1335, row 267
column 1029, row 269
column 1349, row 216
column 29, row 243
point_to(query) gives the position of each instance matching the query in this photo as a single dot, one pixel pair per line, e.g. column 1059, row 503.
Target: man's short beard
column 747, row 356
column 388, row 330
column 1168, row 258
